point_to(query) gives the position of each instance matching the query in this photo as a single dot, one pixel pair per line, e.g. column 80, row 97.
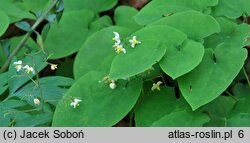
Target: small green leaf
column 213, row 75
column 39, row 41
column 100, row 106
column 24, row 26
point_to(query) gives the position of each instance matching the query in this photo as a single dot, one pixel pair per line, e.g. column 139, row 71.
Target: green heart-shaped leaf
column 158, row 9
column 94, row 5
column 100, row 106
column 213, row 75
column 232, row 8
column 97, row 52
column 137, row 60
column 161, row 108
column 205, row 25
column 68, row 36
column 231, row 33
column 144, row 55
column 182, row 119
column 180, row 60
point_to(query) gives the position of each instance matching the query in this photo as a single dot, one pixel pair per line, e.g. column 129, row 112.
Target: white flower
column 18, row 62
column 53, row 66
column 117, row 36
column 18, row 65
column 29, row 69
column 112, row 85
column 119, row 49
column 36, row 101
column 156, row 86
column 134, row 42
column 75, row 102
column 117, row 42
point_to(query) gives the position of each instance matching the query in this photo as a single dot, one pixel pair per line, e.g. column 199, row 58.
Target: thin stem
column 26, row 37
column 163, row 80
column 245, row 73
column 228, row 93
column 131, row 117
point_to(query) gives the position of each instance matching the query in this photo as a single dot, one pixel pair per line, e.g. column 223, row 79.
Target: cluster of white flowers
column 19, row 66
column 119, row 47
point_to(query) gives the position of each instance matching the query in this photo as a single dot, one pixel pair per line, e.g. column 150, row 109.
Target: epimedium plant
column 171, row 63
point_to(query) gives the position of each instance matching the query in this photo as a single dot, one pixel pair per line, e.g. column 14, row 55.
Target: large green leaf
column 4, row 22
column 161, row 108
column 100, row 23
column 14, row 110
column 155, row 105
column 97, row 52
column 158, row 9
column 93, row 5
column 231, row 33
column 213, row 75
column 182, row 119
column 3, row 82
column 15, row 13
column 241, row 91
column 232, row 8
column 150, row 51
column 35, row 120
column 52, row 88
column 205, row 25
column 5, row 107
column 68, row 36
column 124, row 17
column 36, row 5
column 220, row 107
column 100, row 106
column 137, row 60
column 180, row 60
column 239, row 120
